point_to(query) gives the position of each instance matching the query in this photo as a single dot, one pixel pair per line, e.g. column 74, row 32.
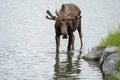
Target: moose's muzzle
column 64, row 36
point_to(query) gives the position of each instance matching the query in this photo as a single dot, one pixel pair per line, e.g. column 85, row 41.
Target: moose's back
column 69, row 10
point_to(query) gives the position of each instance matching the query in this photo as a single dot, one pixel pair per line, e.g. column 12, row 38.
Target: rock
column 106, row 52
column 94, row 55
column 109, row 67
column 107, row 59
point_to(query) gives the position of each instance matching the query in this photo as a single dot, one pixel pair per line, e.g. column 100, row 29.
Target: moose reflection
column 67, row 69
column 68, row 20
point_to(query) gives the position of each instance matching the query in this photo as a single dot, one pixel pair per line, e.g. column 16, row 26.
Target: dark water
column 27, row 44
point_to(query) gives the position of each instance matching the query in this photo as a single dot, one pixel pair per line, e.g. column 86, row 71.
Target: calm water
column 27, row 44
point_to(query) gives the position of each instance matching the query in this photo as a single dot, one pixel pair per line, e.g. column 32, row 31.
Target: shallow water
column 27, row 44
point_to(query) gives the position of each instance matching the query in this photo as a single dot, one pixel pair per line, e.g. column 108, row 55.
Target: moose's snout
column 64, row 33
column 64, row 36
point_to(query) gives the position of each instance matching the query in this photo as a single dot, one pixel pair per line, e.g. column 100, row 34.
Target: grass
column 113, row 78
column 112, row 39
column 118, row 64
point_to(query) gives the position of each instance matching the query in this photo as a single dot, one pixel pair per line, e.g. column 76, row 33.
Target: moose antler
column 59, row 18
column 49, row 13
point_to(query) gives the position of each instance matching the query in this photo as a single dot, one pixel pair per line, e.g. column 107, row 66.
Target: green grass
column 118, row 64
column 112, row 39
column 113, row 78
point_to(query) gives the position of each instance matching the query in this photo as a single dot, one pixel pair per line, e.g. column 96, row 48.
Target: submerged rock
column 94, row 55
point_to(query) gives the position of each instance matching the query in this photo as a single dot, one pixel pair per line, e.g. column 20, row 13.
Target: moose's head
column 62, row 22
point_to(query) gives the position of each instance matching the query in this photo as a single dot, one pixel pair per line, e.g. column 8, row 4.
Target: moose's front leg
column 70, row 41
column 73, row 39
column 57, row 43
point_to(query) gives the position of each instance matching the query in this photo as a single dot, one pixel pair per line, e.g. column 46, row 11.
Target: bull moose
column 67, row 20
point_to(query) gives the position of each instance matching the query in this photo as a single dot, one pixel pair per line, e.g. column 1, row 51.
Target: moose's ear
column 63, row 7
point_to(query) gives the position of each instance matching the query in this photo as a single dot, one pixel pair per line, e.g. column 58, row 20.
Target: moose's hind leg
column 80, row 34
column 73, row 39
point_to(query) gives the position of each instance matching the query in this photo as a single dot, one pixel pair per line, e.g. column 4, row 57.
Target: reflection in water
column 68, row 68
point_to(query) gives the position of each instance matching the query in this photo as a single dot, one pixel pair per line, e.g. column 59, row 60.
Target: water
column 27, row 41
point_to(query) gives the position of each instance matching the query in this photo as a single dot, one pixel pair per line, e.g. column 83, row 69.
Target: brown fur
column 66, row 24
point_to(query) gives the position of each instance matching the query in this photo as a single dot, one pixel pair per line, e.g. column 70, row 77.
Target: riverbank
column 113, row 39
column 108, row 55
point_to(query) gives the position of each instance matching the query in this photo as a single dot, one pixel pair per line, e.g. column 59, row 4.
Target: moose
column 67, row 21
